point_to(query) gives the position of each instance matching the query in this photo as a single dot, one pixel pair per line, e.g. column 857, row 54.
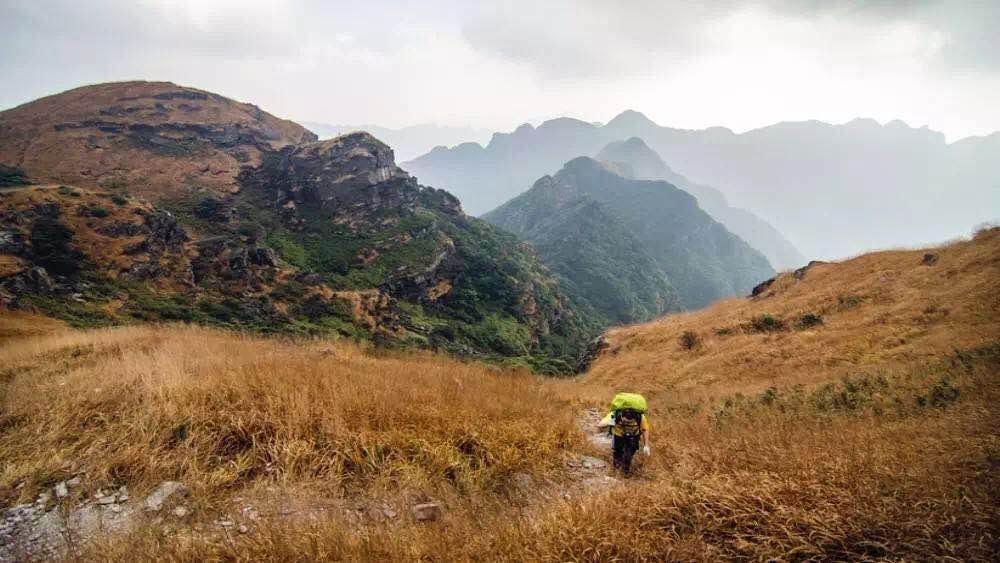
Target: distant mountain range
column 832, row 190
column 406, row 142
column 632, row 248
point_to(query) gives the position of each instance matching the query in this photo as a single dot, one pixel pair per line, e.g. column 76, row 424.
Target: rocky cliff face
column 153, row 139
column 350, row 176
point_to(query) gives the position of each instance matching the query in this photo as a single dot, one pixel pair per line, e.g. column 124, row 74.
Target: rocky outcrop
column 165, row 234
column 13, row 242
column 351, row 178
column 34, row 280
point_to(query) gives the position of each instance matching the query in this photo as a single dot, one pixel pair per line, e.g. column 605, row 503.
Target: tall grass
column 220, row 411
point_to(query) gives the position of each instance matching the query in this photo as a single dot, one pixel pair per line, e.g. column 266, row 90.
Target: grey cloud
column 143, row 24
column 603, row 38
column 591, row 38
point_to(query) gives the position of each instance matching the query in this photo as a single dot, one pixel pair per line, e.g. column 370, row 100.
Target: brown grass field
column 870, row 434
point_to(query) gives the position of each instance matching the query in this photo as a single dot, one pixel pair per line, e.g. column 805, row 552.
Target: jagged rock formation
column 154, row 139
column 700, row 258
column 637, row 160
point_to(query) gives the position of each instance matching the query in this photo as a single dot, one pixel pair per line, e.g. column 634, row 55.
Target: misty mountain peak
column 635, row 143
column 565, row 124
column 631, row 118
column 587, row 165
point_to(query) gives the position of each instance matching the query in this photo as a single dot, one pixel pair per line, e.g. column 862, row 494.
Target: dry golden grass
column 879, row 309
column 20, row 324
column 875, row 436
column 222, row 412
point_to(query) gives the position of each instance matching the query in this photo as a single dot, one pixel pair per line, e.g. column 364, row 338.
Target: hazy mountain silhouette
column 636, row 159
column 832, row 190
column 701, row 259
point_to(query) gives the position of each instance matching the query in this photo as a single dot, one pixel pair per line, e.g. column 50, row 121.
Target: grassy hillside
column 849, row 412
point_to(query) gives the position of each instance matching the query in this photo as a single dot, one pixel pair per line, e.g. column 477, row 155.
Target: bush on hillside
column 51, row 245
column 689, row 340
column 849, row 300
column 809, row 320
column 92, row 210
column 12, row 176
column 767, row 323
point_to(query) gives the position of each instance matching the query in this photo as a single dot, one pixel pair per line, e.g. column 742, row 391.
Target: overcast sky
column 737, row 63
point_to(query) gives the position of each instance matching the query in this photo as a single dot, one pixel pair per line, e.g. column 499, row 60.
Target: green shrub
column 689, row 339
column 12, row 176
column 766, row 323
column 849, row 300
column 940, row 395
column 51, row 244
column 850, row 394
column 809, row 320
column 91, row 210
column 119, row 199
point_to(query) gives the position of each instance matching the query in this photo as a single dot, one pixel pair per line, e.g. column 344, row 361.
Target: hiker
column 628, row 424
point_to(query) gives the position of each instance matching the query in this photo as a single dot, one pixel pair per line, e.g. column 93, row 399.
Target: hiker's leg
column 617, row 451
column 630, row 445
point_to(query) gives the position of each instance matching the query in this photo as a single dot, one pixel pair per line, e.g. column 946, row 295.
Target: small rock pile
column 47, row 528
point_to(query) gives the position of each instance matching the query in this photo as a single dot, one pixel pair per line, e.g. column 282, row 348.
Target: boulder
column 594, row 349
column 164, row 230
column 763, row 286
column 427, row 512
column 12, row 242
column 801, row 272
column 164, row 491
column 34, row 280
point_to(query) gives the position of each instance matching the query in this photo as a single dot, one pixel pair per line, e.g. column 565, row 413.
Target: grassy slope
column 871, row 435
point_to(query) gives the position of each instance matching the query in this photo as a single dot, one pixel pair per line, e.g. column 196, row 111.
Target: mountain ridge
column 645, row 164
column 824, row 178
column 701, row 260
